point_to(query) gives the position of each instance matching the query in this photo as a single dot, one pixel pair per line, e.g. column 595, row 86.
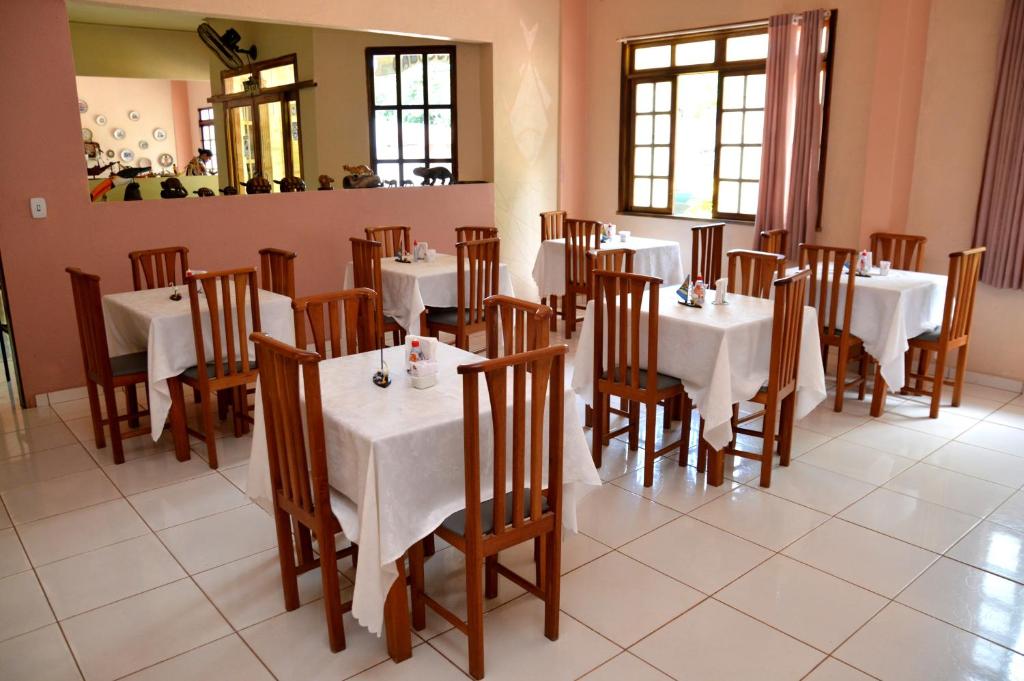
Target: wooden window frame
column 207, row 123
column 398, row 107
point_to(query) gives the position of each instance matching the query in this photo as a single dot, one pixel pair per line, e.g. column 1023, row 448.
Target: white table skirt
column 654, row 258
column 720, row 353
column 409, row 288
column 151, row 321
column 397, row 453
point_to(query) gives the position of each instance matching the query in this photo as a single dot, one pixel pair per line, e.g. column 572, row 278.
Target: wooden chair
column 227, row 294
column 904, row 251
column 158, row 267
column 517, row 512
column 751, row 272
column 779, row 396
column 954, row 334
column 475, row 233
column 277, row 271
column 706, row 253
column 608, row 260
column 581, row 237
column 617, row 371
column 776, row 241
column 515, row 325
column 104, row 371
column 477, row 277
column 552, row 226
column 394, row 239
column 342, row 322
column 300, row 488
column 366, row 273
column 826, row 265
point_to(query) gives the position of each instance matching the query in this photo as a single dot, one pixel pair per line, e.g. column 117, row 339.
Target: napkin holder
column 419, row 251
column 683, row 294
column 720, row 290
column 423, row 373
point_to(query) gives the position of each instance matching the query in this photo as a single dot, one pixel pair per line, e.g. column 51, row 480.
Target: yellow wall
column 125, row 52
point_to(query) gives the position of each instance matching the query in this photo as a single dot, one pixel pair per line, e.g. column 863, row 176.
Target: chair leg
column 540, row 558
column 132, row 401
column 416, row 582
column 786, row 428
column 961, row 370
column 196, row 397
column 844, row 359
column 286, row 554
column 702, row 448
column 115, row 425
column 922, row 370
column 428, row 545
column 862, row 391
column 634, row 425
column 686, row 418
column 940, row 369
column 491, row 577
column 908, row 368
column 222, row 404
column 650, row 448
column 475, row 611
column 208, row 431
column 588, row 416
column 97, row 416
column 768, row 447
column 552, row 301
column 878, row 392
column 332, row 592
column 552, row 584
column 303, row 543
column 597, row 434
column 236, row 410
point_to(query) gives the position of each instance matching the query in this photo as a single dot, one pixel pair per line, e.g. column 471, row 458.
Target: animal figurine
column 230, row 190
column 257, row 185
column 133, row 192
column 358, row 170
column 171, row 189
column 93, row 171
column 360, row 181
column 406, row 183
column 391, row 183
column 326, row 183
column 204, row 192
column 432, row 175
column 292, row 184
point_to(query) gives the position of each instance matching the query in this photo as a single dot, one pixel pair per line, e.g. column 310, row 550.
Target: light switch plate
column 38, row 207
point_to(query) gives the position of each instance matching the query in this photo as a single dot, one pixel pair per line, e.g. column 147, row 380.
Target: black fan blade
column 213, row 41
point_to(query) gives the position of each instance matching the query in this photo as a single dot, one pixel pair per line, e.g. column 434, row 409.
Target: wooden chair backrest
column 228, row 294
column 298, row 476
column 92, row 333
column 477, row 278
column 552, row 225
column 395, row 238
column 515, row 325
column 964, row 270
column 904, row 251
column 158, row 267
column 787, row 330
column 609, row 260
column 347, row 320
column 366, row 271
column 618, row 327
column 774, row 241
column 581, row 236
column 706, row 254
column 469, row 233
column 751, row 272
column 826, row 265
column 277, row 271
column 544, row 370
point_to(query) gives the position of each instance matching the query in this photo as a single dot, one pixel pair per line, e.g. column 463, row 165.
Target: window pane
column 696, row 120
column 732, row 92
column 278, row 75
column 729, row 163
column 728, row 197
column 385, row 84
column 235, row 84
column 751, row 163
column 732, row 127
column 408, row 175
column 440, row 133
column 644, row 97
column 663, row 129
column 412, row 134
column 642, row 192
column 652, row 57
column 659, row 193
column 644, row 129
column 661, row 161
column 293, row 117
column 702, row 52
column 412, row 78
column 755, row 92
column 747, row 47
column 753, row 127
column 272, row 140
column 206, row 114
column 642, row 161
column 386, row 131
column 663, row 96
column 387, row 171
column 439, row 78
column 748, row 198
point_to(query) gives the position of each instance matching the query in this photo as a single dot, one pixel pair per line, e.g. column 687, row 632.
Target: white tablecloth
column 889, row 310
column 397, row 453
column 409, row 288
column 720, row 353
column 151, row 321
column 654, row 258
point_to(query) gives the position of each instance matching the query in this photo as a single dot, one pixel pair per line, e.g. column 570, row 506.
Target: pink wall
column 182, row 124
column 45, row 159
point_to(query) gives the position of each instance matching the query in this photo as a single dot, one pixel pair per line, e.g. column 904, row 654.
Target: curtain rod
column 709, row 29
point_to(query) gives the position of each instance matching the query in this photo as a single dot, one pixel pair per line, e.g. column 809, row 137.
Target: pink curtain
column 1000, row 224
column 790, row 160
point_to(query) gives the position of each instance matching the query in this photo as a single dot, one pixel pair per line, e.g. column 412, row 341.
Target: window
column 412, row 110
column 208, row 136
column 693, row 122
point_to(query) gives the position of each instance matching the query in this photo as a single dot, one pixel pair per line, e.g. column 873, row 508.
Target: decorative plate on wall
column 110, row 153
column 127, row 155
column 143, row 144
column 100, row 119
column 159, row 134
column 134, row 115
column 83, row 106
column 119, row 133
column 143, row 162
column 165, row 160
column 86, row 135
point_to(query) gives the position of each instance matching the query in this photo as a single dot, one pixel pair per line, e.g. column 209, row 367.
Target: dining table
column 395, row 455
column 719, row 352
column 409, row 288
column 154, row 321
column 654, row 258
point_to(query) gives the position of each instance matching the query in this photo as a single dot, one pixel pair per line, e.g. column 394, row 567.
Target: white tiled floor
column 891, row 548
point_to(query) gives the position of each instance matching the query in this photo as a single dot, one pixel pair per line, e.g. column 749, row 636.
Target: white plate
column 159, row 134
column 110, row 153
column 83, row 106
column 86, row 135
column 134, row 115
column 127, row 155
column 100, row 119
column 165, row 160
column 143, row 144
column 143, row 162
column 118, row 133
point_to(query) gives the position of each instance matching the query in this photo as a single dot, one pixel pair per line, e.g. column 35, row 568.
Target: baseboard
column 989, row 381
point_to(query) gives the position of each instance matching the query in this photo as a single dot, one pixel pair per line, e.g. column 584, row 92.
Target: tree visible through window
column 412, row 110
